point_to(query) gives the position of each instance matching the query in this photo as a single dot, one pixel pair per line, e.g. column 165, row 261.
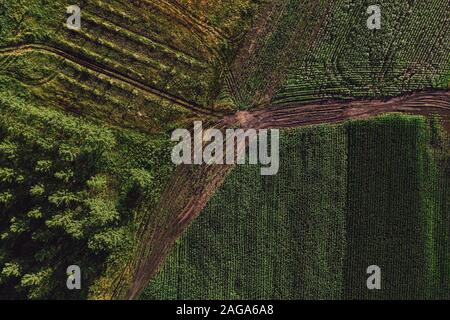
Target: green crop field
column 268, row 237
column 328, row 52
column 346, row 197
column 410, row 52
column 393, row 209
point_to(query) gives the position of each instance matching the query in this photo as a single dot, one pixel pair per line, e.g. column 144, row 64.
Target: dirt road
column 191, row 186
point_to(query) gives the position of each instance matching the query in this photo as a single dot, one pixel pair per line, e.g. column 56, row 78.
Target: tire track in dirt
column 191, row 186
column 110, row 72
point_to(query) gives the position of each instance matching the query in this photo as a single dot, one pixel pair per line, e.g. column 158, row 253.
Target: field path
column 110, row 72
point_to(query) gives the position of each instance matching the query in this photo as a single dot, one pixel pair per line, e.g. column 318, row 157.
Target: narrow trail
column 191, row 186
column 110, row 72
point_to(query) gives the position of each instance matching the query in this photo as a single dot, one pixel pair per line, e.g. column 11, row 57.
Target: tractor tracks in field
column 112, row 73
column 203, row 31
column 175, row 10
column 191, row 186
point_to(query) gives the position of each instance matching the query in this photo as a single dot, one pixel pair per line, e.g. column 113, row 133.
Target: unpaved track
column 296, row 115
column 191, row 186
column 110, row 72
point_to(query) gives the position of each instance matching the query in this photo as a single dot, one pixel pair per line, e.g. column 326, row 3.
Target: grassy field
column 218, row 56
column 346, row 197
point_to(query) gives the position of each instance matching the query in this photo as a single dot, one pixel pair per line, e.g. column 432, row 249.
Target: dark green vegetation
column 70, row 193
column 394, row 217
column 346, row 197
